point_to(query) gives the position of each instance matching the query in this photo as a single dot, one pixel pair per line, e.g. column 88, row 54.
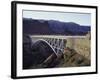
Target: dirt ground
column 81, row 45
column 72, row 59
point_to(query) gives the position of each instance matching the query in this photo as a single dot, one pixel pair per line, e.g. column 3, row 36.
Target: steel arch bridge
column 57, row 43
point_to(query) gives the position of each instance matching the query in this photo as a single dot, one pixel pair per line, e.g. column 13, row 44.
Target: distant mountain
column 53, row 27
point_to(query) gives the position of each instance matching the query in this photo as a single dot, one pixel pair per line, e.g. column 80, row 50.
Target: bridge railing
column 57, row 36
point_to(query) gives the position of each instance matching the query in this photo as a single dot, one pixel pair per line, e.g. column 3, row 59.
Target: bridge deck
column 56, row 36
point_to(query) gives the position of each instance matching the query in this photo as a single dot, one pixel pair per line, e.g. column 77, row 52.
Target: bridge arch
column 47, row 44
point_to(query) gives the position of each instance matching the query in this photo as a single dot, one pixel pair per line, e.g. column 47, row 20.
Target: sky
column 79, row 18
